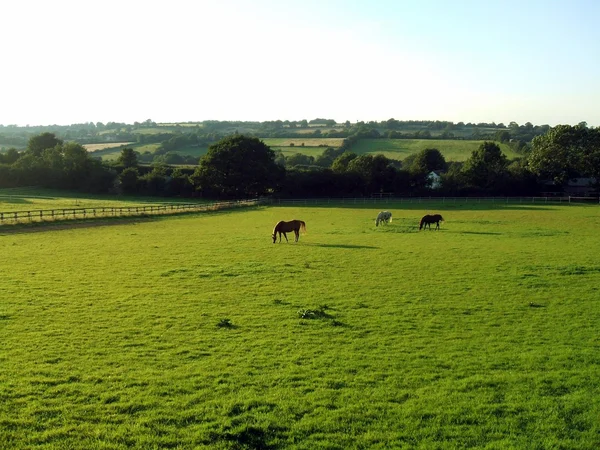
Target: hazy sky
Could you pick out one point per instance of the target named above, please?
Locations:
(473, 61)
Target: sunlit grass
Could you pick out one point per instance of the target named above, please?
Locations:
(453, 150)
(33, 199)
(189, 331)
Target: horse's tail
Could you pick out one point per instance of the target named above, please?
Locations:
(302, 226)
(390, 217)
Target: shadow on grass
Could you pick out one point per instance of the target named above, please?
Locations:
(490, 233)
(101, 221)
(70, 224)
(11, 199)
(348, 246)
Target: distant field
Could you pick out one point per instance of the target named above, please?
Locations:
(453, 150)
(104, 146)
(29, 199)
(308, 142)
(312, 146)
(196, 332)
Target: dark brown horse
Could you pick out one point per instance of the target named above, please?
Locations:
(284, 227)
(429, 219)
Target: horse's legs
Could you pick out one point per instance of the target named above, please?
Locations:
(297, 233)
(285, 236)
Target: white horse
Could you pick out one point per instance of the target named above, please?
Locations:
(383, 217)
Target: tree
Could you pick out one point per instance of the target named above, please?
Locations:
(129, 180)
(37, 144)
(10, 156)
(238, 166)
(179, 183)
(486, 168)
(428, 160)
(299, 159)
(421, 164)
(128, 158)
(566, 152)
(375, 171)
(155, 181)
(502, 136)
(340, 164)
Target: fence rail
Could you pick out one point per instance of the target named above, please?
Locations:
(44, 215)
(395, 200)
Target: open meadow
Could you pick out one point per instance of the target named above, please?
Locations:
(197, 332)
(35, 199)
(453, 150)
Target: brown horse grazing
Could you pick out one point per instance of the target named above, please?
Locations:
(429, 219)
(283, 227)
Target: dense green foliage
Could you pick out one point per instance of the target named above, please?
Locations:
(355, 167)
(566, 152)
(236, 167)
(197, 332)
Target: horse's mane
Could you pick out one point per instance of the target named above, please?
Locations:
(277, 226)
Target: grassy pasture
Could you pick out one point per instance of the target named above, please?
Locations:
(186, 332)
(401, 148)
(106, 146)
(30, 199)
(309, 142)
(312, 146)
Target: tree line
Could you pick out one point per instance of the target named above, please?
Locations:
(175, 136)
(241, 166)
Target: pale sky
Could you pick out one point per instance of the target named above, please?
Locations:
(73, 61)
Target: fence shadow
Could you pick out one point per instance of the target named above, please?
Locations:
(38, 227)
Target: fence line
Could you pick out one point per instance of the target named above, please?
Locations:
(42, 215)
(395, 200)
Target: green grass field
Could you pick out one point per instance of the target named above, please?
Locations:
(187, 332)
(30, 199)
(312, 146)
(453, 150)
(401, 148)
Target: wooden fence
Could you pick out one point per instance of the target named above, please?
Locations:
(408, 200)
(44, 215)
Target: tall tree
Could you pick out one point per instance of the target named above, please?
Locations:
(566, 152)
(238, 166)
(128, 158)
(340, 164)
(486, 168)
(428, 160)
(37, 144)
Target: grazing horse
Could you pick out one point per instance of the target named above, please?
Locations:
(383, 217)
(429, 219)
(283, 227)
